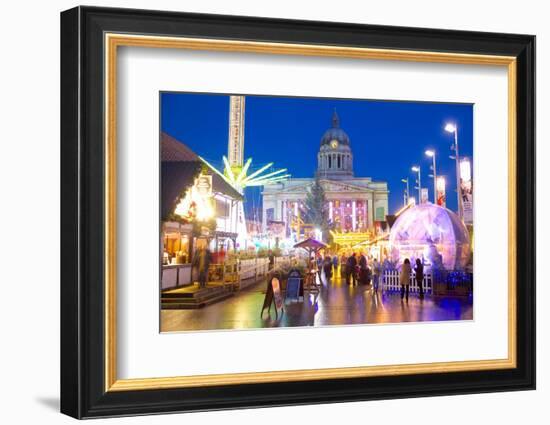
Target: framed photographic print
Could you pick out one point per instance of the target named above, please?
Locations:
(261, 212)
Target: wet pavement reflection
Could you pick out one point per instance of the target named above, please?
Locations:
(335, 304)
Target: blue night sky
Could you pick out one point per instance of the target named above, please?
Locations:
(387, 138)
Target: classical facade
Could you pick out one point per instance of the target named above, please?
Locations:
(355, 204)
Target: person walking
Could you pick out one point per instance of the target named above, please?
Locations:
(404, 278)
(419, 276)
(319, 263)
(327, 267)
(335, 264)
(344, 266)
(271, 257)
(375, 274)
(351, 272)
(363, 267)
(387, 266)
(201, 261)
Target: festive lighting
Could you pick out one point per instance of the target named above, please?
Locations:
(195, 205)
(240, 179)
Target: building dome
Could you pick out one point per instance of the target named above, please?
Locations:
(335, 133)
(433, 233)
(335, 159)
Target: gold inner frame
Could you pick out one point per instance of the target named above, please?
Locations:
(113, 41)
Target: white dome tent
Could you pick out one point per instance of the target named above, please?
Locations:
(432, 233)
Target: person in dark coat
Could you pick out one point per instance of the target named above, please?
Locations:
(201, 261)
(376, 271)
(327, 267)
(344, 267)
(351, 272)
(271, 257)
(363, 267)
(335, 264)
(419, 276)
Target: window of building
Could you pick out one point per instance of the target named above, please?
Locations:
(176, 248)
(222, 208)
(269, 214)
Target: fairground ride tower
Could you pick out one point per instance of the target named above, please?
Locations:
(235, 145)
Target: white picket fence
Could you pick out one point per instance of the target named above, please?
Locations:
(390, 282)
(253, 267)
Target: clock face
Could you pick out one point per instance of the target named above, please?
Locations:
(334, 144)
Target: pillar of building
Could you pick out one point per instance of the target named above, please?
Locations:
(370, 212)
(353, 215)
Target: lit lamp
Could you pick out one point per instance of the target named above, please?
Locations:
(452, 128)
(416, 169)
(431, 153)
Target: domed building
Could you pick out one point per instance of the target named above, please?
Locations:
(335, 159)
(355, 204)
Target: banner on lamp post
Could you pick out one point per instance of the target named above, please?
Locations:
(440, 195)
(466, 191)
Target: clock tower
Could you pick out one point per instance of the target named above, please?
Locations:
(335, 159)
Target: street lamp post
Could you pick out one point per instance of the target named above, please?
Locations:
(452, 128)
(431, 153)
(417, 170)
(407, 193)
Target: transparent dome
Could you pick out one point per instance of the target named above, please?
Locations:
(433, 233)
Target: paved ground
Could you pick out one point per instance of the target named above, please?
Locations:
(336, 304)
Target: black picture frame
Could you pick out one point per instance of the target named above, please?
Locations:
(83, 392)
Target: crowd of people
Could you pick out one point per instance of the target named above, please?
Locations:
(360, 269)
(355, 269)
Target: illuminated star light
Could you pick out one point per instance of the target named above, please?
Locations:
(241, 179)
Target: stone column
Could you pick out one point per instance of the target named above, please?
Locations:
(370, 212)
(365, 213)
(353, 216)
